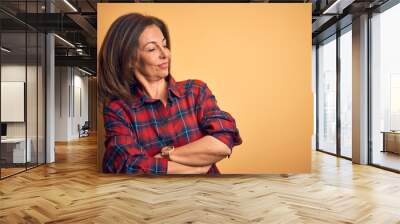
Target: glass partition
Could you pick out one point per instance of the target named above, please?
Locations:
(22, 88)
(327, 95)
(385, 89)
(14, 152)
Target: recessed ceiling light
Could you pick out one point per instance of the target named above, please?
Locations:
(5, 50)
(70, 5)
(84, 71)
(338, 6)
(64, 40)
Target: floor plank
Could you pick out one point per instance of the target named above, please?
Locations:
(72, 191)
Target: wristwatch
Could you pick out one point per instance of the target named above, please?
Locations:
(167, 150)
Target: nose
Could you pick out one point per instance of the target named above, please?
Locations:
(163, 52)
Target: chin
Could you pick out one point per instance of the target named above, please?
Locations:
(159, 76)
(164, 75)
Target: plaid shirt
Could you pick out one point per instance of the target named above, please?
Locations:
(136, 133)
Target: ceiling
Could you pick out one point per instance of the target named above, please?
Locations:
(76, 22)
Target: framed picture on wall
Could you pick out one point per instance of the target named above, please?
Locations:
(12, 101)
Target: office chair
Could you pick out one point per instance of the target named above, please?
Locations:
(84, 130)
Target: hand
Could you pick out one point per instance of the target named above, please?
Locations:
(158, 156)
(203, 169)
(163, 149)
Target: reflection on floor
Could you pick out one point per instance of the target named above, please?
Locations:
(72, 191)
(12, 169)
(387, 159)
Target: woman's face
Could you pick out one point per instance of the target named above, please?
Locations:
(153, 56)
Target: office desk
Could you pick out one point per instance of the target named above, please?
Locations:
(13, 150)
(391, 141)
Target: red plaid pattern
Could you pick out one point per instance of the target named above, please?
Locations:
(136, 133)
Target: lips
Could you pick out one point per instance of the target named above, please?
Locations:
(163, 65)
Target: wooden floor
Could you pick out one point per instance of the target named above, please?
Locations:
(71, 191)
(387, 159)
(5, 172)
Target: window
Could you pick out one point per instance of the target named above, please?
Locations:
(385, 88)
(327, 95)
(346, 93)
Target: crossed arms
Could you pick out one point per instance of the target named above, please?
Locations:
(197, 157)
(124, 154)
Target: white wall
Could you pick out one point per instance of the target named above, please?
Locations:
(61, 103)
(81, 81)
(12, 73)
(70, 83)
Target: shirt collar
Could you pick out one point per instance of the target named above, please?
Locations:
(139, 97)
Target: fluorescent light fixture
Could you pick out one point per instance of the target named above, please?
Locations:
(70, 5)
(64, 40)
(84, 71)
(338, 6)
(5, 50)
(80, 51)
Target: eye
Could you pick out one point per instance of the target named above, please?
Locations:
(152, 49)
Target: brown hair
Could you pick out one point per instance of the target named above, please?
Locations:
(118, 51)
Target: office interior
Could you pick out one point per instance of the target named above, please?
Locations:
(49, 85)
(47, 79)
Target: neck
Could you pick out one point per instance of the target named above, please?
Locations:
(155, 89)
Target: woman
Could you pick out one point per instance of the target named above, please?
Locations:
(153, 124)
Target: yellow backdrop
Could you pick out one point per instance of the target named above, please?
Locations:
(256, 58)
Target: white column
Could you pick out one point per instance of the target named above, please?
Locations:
(50, 93)
(360, 89)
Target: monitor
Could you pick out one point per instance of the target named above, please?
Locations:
(3, 129)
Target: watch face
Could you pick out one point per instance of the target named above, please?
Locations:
(165, 151)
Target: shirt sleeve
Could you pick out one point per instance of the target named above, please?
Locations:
(215, 122)
(122, 153)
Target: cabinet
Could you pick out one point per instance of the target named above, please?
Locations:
(391, 142)
(13, 150)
